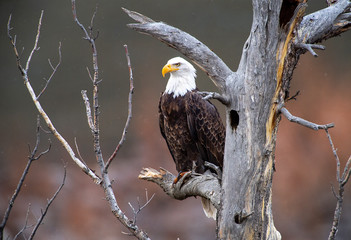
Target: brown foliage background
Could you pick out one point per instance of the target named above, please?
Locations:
(303, 203)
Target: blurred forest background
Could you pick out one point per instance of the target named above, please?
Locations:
(303, 202)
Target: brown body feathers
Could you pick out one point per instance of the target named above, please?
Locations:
(193, 131)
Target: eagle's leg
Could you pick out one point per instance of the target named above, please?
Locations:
(179, 180)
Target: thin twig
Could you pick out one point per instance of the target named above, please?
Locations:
(54, 69)
(40, 220)
(347, 172)
(335, 155)
(91, 78)
(302, 121)
(309, 47)
(25, 224)
(92, 24)
(43, 152)
(131, 90)
(140, 208)
(13, 43)
(35, 47)
(214, 95)
(37, 104)
(31, 158)
(294, 97)
(77, 21)
(341, 180)
(77, 148)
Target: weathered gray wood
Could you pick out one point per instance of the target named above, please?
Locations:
(304, 122)
(248, 165)
(198, 52)
(325, 23)
(206, 185)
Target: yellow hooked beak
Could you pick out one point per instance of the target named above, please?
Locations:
(168, 68)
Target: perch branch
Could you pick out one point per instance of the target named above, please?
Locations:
(302, 121)
(130, 95)
(198, 52)
(37, 104)
(204, 185)
(341, 180)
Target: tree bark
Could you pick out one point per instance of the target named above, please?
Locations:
(249, 150)
(278, 36)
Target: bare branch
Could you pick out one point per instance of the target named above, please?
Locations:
(213, 95)
(302, 121)
(25, 226)
(131, 90)
(341, 180)
(335, 155)
(106, 182)
(35, 47)
(95, 129)
(43, 152)
(92, 24)
(294, 97)
(31, 159)
(77, 148)
(326, 23)
(309, 47)
(137, 16)
(37, 104)
(13, 43)
(91, 78)
(347, 172)
(204, 185)
(87, 37)
(48, 206)
(140, 207)
(198, 52)
(54, 69)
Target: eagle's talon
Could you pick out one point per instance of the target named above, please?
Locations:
(216, 168)
(179, 180)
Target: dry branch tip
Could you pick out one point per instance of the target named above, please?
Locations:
(138, 16)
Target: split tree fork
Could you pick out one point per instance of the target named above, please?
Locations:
(254, 98)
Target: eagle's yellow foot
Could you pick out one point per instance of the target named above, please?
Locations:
(181, 177)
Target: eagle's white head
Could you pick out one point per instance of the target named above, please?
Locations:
(182, 76)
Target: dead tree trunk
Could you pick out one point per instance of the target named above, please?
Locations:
(254, 96)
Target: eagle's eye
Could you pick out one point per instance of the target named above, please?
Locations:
(177, 64)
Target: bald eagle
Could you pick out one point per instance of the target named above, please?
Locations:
(191, 126)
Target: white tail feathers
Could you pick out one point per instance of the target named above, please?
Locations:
(209, 209)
